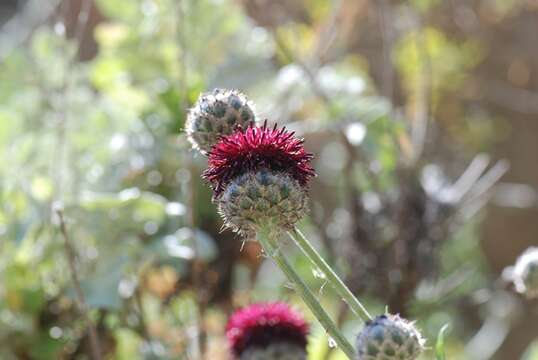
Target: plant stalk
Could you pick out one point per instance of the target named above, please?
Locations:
(333, 279)
(95, 347)
(308, 297)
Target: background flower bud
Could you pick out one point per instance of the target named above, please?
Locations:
(216, 114)
(389, 337)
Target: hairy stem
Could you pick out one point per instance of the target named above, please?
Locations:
(308, 297)
(333, 279)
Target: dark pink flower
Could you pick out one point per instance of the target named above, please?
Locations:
(255, 148)
(264, 324)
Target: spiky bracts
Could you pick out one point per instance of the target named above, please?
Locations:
(265, 329)
(260, 177)
(524, 274)
(389, 337)
(216, 114)
(262, 198)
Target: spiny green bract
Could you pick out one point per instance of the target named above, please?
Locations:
(389, 337)
(262, 198)
(215, 114)
(277, 351)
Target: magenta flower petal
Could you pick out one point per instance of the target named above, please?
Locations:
(256, 148)
(264, 324)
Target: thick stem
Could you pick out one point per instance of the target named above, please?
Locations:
(333, 279)
(308, 297)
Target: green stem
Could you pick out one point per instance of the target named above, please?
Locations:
(308, 297)
(329, 273)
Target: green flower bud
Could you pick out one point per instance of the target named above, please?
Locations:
(389, 337)
(262, 198)
(216, 114)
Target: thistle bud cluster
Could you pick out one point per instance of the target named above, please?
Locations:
(259, 175)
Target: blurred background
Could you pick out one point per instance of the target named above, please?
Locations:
(422, 115)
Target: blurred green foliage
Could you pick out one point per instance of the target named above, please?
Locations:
(103, 139)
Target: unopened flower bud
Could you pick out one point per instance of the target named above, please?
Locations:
(217, 114)
(389, 337)
(262, 198)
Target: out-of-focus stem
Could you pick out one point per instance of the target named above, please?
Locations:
(264, 237)
(333, 279)
(70, 254)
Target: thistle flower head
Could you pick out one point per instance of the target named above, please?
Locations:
(264, 328)
(525, 273)
(216, 114)
(258, 148)
(389, 337)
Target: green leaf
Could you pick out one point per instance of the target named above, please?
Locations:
(143, 205)
(44, 347)
(240, 72)
(532, 351)
(128, 343)
(185, 244)
(126, 10)
(101, 288)
(440, 344)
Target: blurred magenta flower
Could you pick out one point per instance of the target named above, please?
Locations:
(272, 329)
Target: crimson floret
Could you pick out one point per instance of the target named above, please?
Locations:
(255, 148)
(261, 325)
